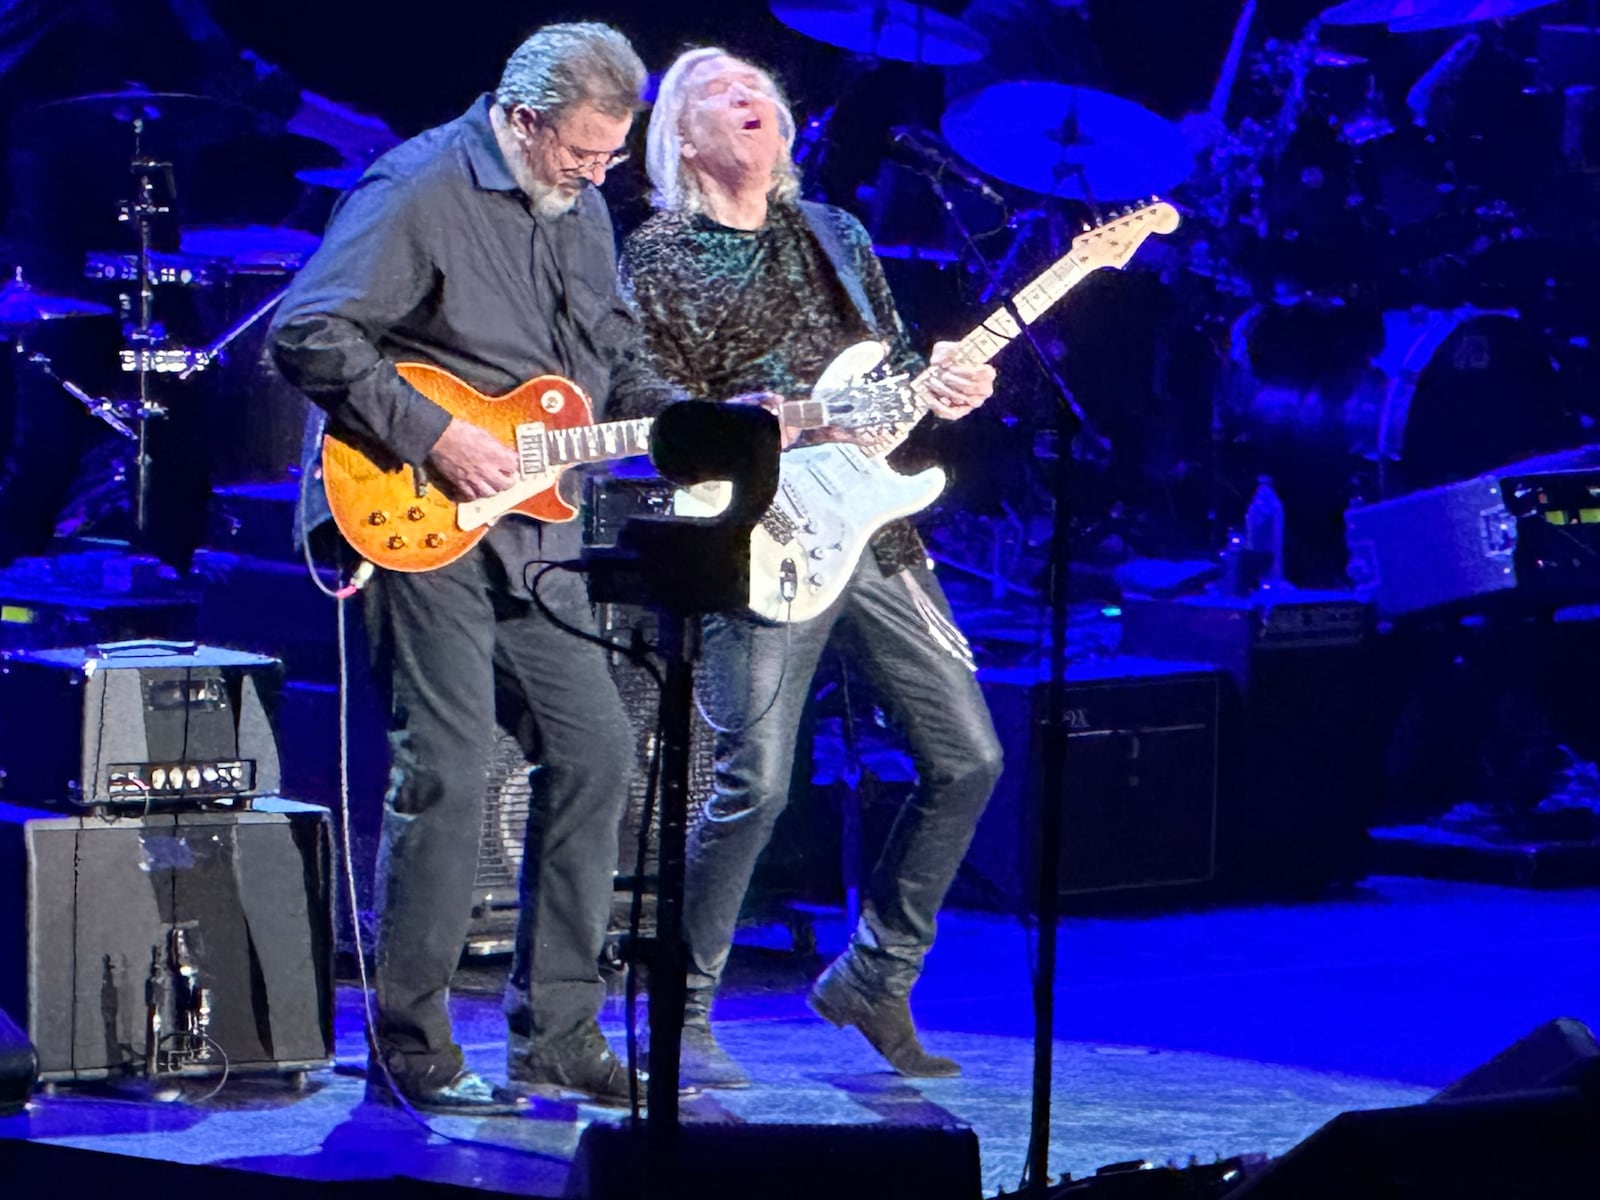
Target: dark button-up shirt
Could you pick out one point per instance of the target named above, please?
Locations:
(436, 256)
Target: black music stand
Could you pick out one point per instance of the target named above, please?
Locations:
(683, 568)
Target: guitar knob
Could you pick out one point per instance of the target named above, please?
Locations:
(433, 541)
(817, 552)
(397, 542)
(415, 512)
(377, 518)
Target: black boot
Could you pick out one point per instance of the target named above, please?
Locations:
(702, 1063)
(581, 1063)
(885, 1021)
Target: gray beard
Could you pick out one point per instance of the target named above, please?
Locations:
(549, 201)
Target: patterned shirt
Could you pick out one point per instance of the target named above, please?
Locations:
(730, 311)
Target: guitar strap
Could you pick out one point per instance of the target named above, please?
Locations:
(838, 254)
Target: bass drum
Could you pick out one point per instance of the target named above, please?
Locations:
(1341, 404)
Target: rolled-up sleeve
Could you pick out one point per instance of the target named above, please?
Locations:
(370, 273)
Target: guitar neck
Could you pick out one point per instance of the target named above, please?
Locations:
(591, 443)
(997, 331)
(624, 439)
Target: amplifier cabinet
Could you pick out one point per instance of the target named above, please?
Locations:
(172, 944)
(1302, 751)
(137, 724)
(1139, 798)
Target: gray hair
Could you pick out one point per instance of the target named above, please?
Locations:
(580, 62)
(676, 189)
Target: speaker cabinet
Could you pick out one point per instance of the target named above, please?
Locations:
(169, 944)
(1302, 759)
(1139, 799)
(1522, 1125)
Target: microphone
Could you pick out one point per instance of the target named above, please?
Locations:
(920, 150)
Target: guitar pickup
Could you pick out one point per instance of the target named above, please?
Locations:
(531, 448)
(777, 523)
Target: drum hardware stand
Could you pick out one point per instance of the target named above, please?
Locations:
(101, 408)
(145, 334)
(205, 357)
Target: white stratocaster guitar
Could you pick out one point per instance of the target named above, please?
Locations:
(833, 498)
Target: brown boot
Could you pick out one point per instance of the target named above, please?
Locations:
(884, 1021)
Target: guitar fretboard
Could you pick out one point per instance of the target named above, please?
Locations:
(584, 444)
(996, 332)
(540, 449)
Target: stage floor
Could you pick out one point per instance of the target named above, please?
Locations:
(1181, 1035)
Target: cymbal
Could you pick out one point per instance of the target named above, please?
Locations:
(1414, 16)
(340, 179)
(1372, 12)
(1448, 13)
(265, 248)
(183, 115)
(1068, 141)
(910, 252)
(895, 29)
(22, 305)
(358, 137)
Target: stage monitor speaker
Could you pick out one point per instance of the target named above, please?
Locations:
(1525, 1124)
(781, 1162)
(171, 944)
(19, 1067)
(142, 725)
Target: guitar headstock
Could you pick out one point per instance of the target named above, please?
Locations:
(1116, 241)
(866, 403)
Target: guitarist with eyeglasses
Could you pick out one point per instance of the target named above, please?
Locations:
(471, 272)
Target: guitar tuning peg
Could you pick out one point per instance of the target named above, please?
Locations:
(1087, 227)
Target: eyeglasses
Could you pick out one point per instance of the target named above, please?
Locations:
(584, 161)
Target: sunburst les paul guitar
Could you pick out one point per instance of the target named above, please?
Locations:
(834, 496)
(400, 519)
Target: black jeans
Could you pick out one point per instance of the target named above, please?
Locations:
(754, 680)
(449, 639)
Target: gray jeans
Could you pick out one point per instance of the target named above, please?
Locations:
(450, 639)
(754, 679)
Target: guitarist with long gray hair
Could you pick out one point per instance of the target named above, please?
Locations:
(742, 289)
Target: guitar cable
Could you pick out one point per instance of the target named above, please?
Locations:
(641, 656)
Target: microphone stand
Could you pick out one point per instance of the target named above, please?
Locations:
(1054, 739)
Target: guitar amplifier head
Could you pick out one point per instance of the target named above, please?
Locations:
(140, 725)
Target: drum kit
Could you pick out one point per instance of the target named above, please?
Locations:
(1383, 216)
(184, 296)
(1403, 189)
